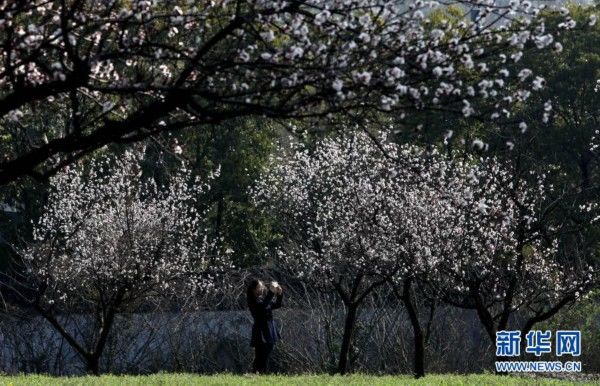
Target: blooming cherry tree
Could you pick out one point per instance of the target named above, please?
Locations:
(513, 265)
(109, 241)
(332, 203)
(119, 71)
(488, 240)
(429, 205)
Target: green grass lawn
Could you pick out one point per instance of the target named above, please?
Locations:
(300, 380)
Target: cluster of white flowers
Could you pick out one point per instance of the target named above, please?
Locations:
(264, 53)
(105, 229)
(356, 206)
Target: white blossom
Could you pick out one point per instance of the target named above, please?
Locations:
(104, 230)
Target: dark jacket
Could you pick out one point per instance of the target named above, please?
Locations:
(263, 329)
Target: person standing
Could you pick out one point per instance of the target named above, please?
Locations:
(261, 303)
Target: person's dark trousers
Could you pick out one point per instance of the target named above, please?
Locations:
(262, 352)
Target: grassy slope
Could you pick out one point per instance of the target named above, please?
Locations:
(190, 379)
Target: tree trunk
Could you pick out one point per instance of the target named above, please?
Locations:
(418, 338)
(105, 327)
(93, 364)
(488, 323)
(347, 338)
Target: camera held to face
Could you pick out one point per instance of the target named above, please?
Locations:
(275, 287)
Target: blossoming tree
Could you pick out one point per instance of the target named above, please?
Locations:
(76, 75)
(108, 242)
(513, 270)
(489, 240)
(332, 203)
(436, 198)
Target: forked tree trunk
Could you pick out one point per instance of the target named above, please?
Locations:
(349, 324)
(91, 357)
(418, 337)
